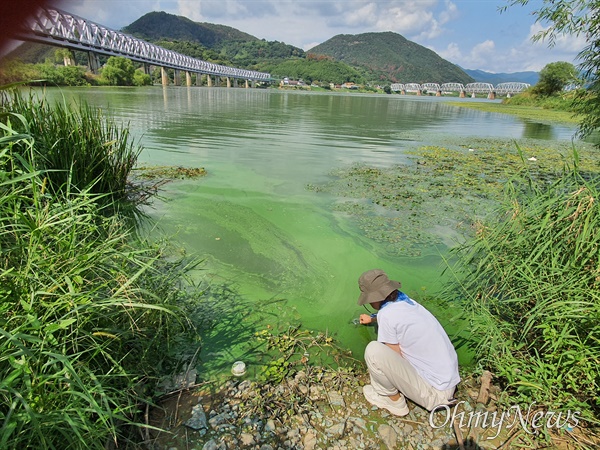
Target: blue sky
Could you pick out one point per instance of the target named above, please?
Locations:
(470, 33)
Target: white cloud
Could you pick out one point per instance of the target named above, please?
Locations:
(451, 53)
(483, 51)
(114, 14)
(191, 10)
(449, 14)
(406, 22)
(366, 15)
(524, 56)
(406, 17)
(478, 57)
(529, 55)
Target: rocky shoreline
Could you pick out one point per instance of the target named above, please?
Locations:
(308, 412)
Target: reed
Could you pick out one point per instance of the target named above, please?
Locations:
(77, 146)
(87, 310)
(530, 284)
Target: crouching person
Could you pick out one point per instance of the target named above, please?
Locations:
(412, 357)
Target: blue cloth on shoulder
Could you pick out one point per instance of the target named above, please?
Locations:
(402, 297)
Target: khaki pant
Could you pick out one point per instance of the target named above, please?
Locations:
(391, 373)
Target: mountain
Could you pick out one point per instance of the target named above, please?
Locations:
(159, 25)
(496, 78)
(222, 44)
(391, 58)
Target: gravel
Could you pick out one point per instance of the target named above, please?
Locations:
(305, 415)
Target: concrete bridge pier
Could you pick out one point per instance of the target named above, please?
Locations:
(491, 96)
(462, 94)
(164, 76)
(235, 82)
(419, 92)
(198, 79)
(228, 82)
(147, 69)
(438, 93)
(176, 77)
(209, 82)
(188, 78)
(93, 62)
(402, 92)
(247, 84)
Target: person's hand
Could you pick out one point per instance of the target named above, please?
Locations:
(365, 319)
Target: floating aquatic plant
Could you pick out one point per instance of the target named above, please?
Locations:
(437, 197)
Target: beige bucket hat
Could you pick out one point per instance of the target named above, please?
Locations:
(375, 286)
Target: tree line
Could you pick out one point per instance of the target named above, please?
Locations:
(116, 71)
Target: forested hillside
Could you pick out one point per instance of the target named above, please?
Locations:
(158, 25)
(205, 41)
(318, 70)
(208, 41)
(390, 57)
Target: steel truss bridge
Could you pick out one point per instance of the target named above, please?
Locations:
(59, 28)
(471, 88)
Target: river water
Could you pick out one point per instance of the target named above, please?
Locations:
(257, 228)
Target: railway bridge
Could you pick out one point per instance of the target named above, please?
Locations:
(490, 90)
(59, 28)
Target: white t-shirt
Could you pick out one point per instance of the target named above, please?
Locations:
(422, 340)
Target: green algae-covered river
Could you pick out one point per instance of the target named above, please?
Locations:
(281, 247)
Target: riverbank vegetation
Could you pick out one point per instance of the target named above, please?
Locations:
(117, 71)
(545, 102)
(528, 107)
(89, 310)
(549, 94)
(529, 280)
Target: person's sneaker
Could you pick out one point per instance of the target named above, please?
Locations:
(398, 407)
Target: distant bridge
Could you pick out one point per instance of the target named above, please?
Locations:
(59, 28)
(462, 89)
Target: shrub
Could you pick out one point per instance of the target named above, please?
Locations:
(14, 71)
(61, 75)
(119, 71)
(141, 79)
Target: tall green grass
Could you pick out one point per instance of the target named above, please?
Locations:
(77, 146)
(560, 102)
(87, 311)
(530, 283)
